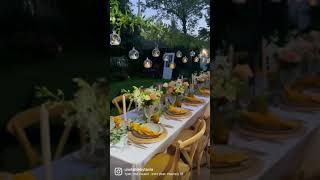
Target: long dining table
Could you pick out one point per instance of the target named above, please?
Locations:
(280, 157)
(132, 159)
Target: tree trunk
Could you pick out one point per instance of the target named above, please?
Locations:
(184, 26)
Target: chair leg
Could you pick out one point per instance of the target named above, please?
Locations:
(199, 158)
(208, 156)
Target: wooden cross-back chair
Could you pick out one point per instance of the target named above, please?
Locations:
(203, 142)
(118, 99)
(25, 119)
(167, 163)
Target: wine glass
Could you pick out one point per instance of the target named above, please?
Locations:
(172, 99)
(148, 112)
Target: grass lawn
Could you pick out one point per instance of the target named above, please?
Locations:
(115, 87)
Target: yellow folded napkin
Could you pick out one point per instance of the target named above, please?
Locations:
(23, 176)
(144, 130)
(313, 81)
(175, 110)
(204, 91)
(267, 121)
(297, 96)
(229, 158)
(193, 99)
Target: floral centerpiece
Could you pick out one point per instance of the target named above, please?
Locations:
(89, 109)
(175, 90)
(147, 99)
(225, 89)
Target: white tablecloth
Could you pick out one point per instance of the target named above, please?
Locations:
(133, 157)
(283, 157)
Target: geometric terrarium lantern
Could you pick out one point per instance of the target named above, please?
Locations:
(185, 59)
(156, 52)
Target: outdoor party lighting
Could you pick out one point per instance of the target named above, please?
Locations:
(196, 59)
(115, 39)
(208, 61)
(172, 65)
(147, 63)
(179, 54)
(192, 53)
(204, 53)
(185, 59)
(165, 57)
(133, 54)
(156, 52)
(203, 60)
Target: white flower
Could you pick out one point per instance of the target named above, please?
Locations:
(165, 85)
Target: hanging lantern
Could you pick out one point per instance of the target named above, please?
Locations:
(133, 54)
(165, 57)
(115, 39)
(156, 52)
(208, 60)
(147, 63)
(203, 60)
(179, 54)
(172, 65)
(185, 59)
(204, 53)
(196, 59)
(192, 53)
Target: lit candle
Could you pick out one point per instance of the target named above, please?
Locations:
(124, 108)
(45, 142)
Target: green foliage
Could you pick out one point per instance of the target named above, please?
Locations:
(117, 133)
(159, 32)
(187, 11)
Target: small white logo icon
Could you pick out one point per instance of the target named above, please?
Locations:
(118, 171)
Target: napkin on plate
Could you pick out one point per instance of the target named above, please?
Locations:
(175, 110)
(144, 130)
(228, 159)
(193, 99)
(267, 121)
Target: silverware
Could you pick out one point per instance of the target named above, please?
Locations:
(137, 145)
(188, 109)
(166, 125)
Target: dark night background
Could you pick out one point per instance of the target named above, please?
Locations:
(46, 43)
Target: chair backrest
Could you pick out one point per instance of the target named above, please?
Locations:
(118, 99)
(191, 143)
(25, 119)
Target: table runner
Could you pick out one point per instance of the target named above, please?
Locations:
(133, 157)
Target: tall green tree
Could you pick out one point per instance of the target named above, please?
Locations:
(187, 11)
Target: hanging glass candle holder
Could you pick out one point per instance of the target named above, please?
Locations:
(179, 54)
(208, 60)
(115, 39)
(192, 53)
(165, 57)
(133, 54)
(203, 60)
(185, 59)
(147, 63)
(172, 65)
(156, 52)
(196, 59)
